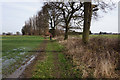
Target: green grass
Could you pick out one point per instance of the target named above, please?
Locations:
(46, 68)
(66, 67)
(14, 50)
(13, 42)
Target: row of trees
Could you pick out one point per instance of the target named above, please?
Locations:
(65, 15)
(10, 33)
(38, 24)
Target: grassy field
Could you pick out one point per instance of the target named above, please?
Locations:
(14, 51)
(107, 36)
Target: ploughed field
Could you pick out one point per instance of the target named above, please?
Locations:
(16, 50)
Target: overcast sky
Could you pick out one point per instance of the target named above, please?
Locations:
(14, 14)
(107, 23)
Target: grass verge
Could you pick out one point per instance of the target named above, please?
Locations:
(45, 69)
(55, 65)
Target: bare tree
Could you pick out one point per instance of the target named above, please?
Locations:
(54, 16)
(75, 11)
(65, 14)
(89, 11)
(68, 11)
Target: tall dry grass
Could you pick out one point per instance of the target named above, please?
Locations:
(100, 58)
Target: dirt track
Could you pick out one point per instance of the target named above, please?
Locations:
(40, 56)
(59, 69)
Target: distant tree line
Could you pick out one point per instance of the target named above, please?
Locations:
(10, 33)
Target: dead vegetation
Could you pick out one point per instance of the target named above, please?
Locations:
(100, 58)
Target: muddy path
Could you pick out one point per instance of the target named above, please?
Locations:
(51, 53)
(40, 56)
(26, 69)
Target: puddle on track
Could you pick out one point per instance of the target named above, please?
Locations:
(19, 71)
(6, 62)
(22, 53)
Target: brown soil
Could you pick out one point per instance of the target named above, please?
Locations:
(40, 56)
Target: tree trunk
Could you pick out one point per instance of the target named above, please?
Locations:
(66, 32)
(51, 23)
(54, 30)
(87, 21)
